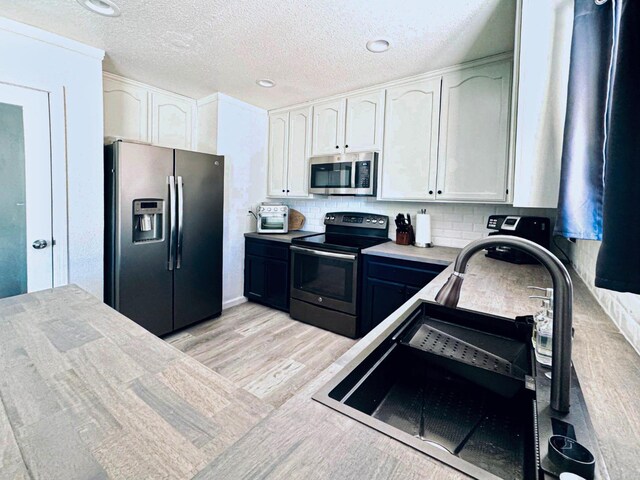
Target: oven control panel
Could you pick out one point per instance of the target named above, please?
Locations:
(347, 219)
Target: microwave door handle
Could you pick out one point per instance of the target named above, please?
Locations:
(320, 253)
(180, 221)
(353, 174)
(172, 219)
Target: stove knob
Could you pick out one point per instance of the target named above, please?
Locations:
(319, 299)
(333, 217)
(368, 220)
(381, 221)
(327, 217)
(268, 209)
(283, 209)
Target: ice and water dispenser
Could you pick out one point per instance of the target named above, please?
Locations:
(148, 225)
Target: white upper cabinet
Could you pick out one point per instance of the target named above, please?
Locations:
(328, 127)
(299, 152)
(473, 154)
(126, 110)
(289, 152)
(364, 122)
(444, 136)
(172, 121)
(411, 141)
(544, 47)
(135, 111)
(278, 154)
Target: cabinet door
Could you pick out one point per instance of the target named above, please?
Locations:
(543, 74)
(410, 141)
(382, 298)
(172, 119)
(473, 153)
(254, 278)
(277, 283)
(364, 123)
(126, 110)
(278, 155)
(299, 152)
(410, 292)
(328, 127)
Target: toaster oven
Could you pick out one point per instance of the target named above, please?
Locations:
(273, 218)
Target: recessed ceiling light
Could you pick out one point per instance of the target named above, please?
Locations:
(103, 7)
(266, 83)
(378, 46)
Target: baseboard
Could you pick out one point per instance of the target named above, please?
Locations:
(233, 302)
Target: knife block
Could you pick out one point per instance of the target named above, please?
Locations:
(405, 237)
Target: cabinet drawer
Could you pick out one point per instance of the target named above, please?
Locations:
(408, 273)
(265, 248)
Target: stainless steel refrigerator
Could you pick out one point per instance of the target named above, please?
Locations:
(163, 235)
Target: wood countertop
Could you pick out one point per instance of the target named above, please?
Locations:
(87, 393)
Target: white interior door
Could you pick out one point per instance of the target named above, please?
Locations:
(26, 253)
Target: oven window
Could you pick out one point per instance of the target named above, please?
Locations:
(325, 277)
(331, 175)
(272, 223)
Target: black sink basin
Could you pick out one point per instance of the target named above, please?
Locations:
(459, 386)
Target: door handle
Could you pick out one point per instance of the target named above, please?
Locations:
(319, 253)
(40, 244)
(172, 216)
(180, 221)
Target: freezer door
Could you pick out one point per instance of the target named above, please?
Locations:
(198, 272)
(143, 281)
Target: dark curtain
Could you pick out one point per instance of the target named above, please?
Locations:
(600, 177)
(618, 266)
(581, 193)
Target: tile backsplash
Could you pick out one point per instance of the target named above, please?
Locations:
(452, 225)
(623, 308)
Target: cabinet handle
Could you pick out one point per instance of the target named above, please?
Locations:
(282, 191)
(430, 192)
(337, 146)
(439, 192)
(346, 146)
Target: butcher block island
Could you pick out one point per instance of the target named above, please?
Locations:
(87, 393)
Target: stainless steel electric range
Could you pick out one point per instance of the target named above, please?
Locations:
(325, 270)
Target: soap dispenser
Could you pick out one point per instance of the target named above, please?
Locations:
(542, 335)
(544, 338)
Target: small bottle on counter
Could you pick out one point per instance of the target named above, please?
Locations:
(544, 338)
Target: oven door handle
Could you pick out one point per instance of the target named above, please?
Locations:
(320, 253)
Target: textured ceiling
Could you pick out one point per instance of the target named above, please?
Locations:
(310, 48)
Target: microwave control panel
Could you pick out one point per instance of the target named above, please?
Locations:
(363, 174)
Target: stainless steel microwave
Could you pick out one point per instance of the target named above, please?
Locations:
(345, 174)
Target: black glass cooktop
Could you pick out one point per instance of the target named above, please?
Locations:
(339, 242)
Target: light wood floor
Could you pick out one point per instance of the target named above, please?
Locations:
(262, 350)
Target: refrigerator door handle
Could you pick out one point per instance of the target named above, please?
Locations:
(172, 215)
(180, 221)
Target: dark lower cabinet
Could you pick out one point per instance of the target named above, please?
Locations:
(387, 283)
(266, 272)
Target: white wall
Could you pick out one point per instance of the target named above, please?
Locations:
(72, 73)
(451, 225)
(242, 139)
(623, 308)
